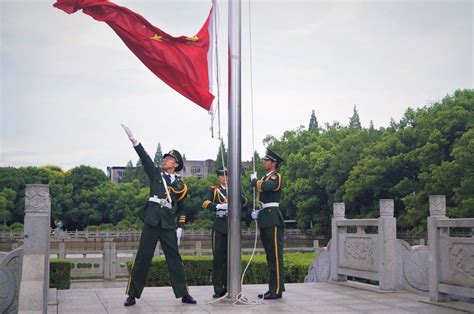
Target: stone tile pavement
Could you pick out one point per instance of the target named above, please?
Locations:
(298, 298)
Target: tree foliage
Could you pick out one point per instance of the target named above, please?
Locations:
(429, 151)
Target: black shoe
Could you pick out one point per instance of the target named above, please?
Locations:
(219, 295)
(272, 296)
(262, 295)
(130, 301)
(188, 299)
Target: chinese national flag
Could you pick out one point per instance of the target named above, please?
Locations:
(181, 62)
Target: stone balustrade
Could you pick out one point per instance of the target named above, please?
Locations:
(369, 249)
(451, 273)
(364, 248)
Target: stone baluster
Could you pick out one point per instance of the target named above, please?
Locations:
(106, 260)
(35, 269)
(113, 260)
(387, 237)
(198, 248)
(62, 250)
(339, 212)
(157, 250)
(316, 246)
(437, 211)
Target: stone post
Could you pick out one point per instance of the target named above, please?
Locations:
(198, 248)
(62, 250)
(387, 240)
(35, 269)
(316, 246)
(107, 261)
(339, 212)
(14, 245)
(157, 250)
(437, 211)
(113, 260)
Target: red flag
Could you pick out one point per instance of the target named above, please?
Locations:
(181, 62)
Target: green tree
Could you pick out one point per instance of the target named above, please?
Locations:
(354, 121)
(158, 156)
(7, 204)
(140, 174)
(221, 154)
(129, 173)
(313, 123)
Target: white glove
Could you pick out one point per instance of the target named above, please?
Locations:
(221, 206)
(255, 214)
(253, 176)
(179, 234)
(129, 134)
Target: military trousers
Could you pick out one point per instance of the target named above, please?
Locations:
(272, 240)
(146, 249)
(219, 261)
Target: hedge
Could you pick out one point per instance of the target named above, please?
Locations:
(198, 269)
(59, 273)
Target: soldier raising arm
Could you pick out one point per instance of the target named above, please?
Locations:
(167, 194)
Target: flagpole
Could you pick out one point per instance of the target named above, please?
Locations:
(234, 153)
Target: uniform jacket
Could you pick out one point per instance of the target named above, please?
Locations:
(269, 191)
(154, 214)
(218, 195)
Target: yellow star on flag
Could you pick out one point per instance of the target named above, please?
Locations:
(192, 38)
(156, 37)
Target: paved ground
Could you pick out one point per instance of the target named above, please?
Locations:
(298, 298)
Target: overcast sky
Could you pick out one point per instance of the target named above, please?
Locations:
(67, 81)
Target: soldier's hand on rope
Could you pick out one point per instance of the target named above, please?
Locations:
(129, 134)
(221, 207)
(255, 214)
(253, 176)
(179, 234)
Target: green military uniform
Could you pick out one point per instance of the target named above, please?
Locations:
(218, 195)
(271, 224)
(159, 220)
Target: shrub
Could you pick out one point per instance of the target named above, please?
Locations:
(106, 227)
(16, 226)
(199, 224)
(198, 269)
(59, 273)
(4, 228)
(91, 228)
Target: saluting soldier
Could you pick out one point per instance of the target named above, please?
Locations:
(165, 205)
(216, 202)
(270, 222)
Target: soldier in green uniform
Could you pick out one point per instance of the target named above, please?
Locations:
(216, 202)
(164, 207)
(271, 223)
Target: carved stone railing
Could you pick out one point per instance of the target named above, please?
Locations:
(10, 277)
(368, 249)
(364, 248)
(451, 272)
(443, 270)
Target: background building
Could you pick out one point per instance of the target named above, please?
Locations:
(198, 168)
(192, 168)
(115, 173)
